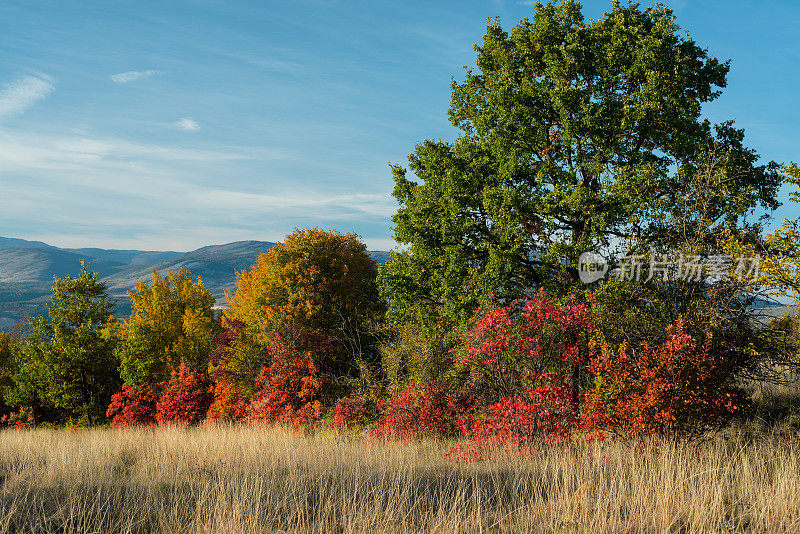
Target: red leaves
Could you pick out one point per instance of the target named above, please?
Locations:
(522, 422)
(184, 401)
(509, 347)
(291, 390)
(186, 398)
(515, 385)
(227, 405)
(133, 406)
(19, 420)
(678, 389)
(229, 371)
(517, 357)
(432, 409)
(348, 412)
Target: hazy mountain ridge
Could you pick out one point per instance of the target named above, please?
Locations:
(128, 257)
(31, 264)
(27, 269)
(13, 242)
(216, 264)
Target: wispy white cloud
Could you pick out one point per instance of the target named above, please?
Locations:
(147, 195)
(341, 206)
(28, 152)
(18, 96)
(133, 75)
(188, 125)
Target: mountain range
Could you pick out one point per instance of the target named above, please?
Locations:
(27, 269)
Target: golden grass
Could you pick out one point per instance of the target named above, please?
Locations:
(260, 480)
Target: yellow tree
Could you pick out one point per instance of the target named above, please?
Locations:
(778, 252)
(317, 291)
(777, 256)
(172, 320)
(780, 266)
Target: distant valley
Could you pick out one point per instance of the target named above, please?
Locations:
(27, 269)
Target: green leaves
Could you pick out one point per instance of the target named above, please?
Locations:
(574, 135)
(67, 367)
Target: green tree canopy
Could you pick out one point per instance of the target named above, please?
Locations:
(8, 347)
(67, 365)
(574, 136)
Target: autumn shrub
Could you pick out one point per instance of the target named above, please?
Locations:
(541, 415)
(435, 409)
(721, 312)
(186, 398)
(515, 379)
(348, 412)
(134, 406)
(20, 420)
(234, 363)
(535, 379)
(291, 390)
(357, 411)
(679, 389)
(508, 349)
(227, 404)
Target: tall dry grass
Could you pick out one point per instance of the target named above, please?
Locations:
(260, 480)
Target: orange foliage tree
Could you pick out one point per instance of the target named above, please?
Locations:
(317, 291)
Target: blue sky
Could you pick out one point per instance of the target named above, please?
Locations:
(173, 125)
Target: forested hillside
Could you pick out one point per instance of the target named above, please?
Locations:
(27, 269)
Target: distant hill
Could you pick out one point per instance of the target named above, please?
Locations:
(129, 257)
(216, 264)
(27, 269)
(26, 264)
(13, 242)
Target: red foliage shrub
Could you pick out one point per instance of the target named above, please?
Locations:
(359, 410)
(186, 399)
(676, 390)
(133, 406)
(19, 420)
(542, 414)
(432, 409)
(518, 358)
(348, 412)
(227, 403)
(509, 348)
(291, 390)
(228, 372)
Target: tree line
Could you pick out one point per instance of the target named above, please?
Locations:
(575, 136)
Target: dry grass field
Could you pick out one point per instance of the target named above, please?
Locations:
(249, 479)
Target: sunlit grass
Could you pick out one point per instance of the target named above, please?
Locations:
(260, 480)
